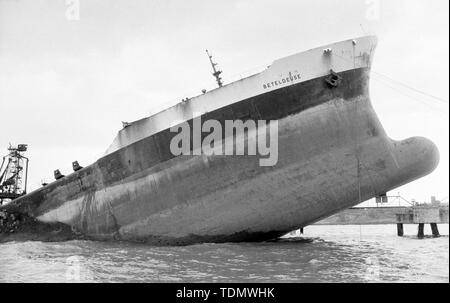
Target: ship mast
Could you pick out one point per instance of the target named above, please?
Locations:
(216, 73)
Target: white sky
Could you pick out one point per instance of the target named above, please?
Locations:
(66, 85)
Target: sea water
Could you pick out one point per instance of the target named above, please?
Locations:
(321, 254)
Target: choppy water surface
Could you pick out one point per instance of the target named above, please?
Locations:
(323, 254)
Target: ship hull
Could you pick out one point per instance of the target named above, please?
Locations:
(332, 154)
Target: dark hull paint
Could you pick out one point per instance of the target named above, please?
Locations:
(154, 150)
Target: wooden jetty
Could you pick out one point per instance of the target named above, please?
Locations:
(418, 214)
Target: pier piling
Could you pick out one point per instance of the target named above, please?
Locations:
(435, 230)
(400, 229)
(420, 233)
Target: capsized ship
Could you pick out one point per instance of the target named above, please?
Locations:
(333, 153)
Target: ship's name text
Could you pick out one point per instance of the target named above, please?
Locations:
(283, 81)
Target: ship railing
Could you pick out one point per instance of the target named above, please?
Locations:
(209, 86)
